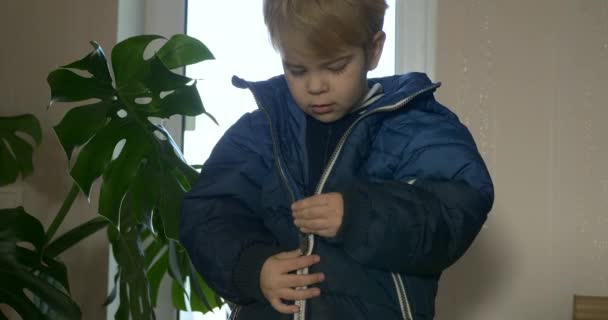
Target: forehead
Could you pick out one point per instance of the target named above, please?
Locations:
(293, 40)
(297, 50)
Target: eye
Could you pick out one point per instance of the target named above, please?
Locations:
(337, 68)
(297, 72)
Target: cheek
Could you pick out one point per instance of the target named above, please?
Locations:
(353, 89)
(296, 89)
(356, 78)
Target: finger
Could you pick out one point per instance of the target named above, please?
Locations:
(298, 263)
(313, 213)
(313, 224)
(285, 255)
(304, 230)
(293, 281)
(313, 201)
(281, 307)
(302, 294)
(327, 233)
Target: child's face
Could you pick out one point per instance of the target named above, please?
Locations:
(328, 88)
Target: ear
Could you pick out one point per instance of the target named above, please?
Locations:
(375, 51)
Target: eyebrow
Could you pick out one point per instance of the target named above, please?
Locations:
(345, 58)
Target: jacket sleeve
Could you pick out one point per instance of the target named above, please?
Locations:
(425, 219)
(220, 226)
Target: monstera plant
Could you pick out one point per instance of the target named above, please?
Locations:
(24, 264)
(116, 135)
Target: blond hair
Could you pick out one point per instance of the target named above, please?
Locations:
(326, 25)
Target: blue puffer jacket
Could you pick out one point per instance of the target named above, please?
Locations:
(416, 194)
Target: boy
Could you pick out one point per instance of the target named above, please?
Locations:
(341, 197)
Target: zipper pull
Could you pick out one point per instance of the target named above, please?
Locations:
(304, 243)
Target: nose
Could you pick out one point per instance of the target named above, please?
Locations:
(316, 84)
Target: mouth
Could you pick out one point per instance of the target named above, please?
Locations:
(321, 108)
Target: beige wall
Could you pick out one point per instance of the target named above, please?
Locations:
(38, 36)
(530, 80)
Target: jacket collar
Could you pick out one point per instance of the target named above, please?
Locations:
(273, 95)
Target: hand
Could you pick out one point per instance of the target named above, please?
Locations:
(277, 284)
(320, 214)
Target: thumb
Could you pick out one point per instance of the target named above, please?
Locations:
(288, 254)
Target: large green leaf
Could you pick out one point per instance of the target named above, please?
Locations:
(159, 260)
(156, 273)
(157, 182)
(143, 173)
(134, 285)
(95, 63)
(96, 154)
(67, 85)
(16, 152)
(23, 269)
(86, 120)
(202, 298)
(134, 294)
(148, 162)
(191, 294)
(128, 60)
(182, 50)
(178, 296)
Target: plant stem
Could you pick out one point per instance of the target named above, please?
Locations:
(63, 211)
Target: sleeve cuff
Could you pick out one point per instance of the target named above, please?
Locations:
(246, 274)
(356, 218)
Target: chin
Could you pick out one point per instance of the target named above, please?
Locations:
(329, 117)
(325, 118)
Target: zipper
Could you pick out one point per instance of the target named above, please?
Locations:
(304, 239)
(275, 147)
(277, 155)
(235, 313)
(404, 305)
(401, 293)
